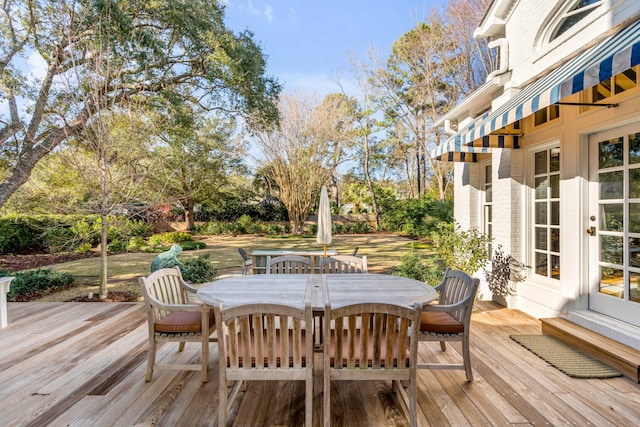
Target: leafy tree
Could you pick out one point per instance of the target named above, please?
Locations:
(164, 53)
(195, 163)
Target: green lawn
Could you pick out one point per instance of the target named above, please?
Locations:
(383, 252)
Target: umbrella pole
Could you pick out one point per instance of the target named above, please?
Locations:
(325, 251)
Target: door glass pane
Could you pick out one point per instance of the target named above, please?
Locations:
(488, 194)
(611, 153)
(541, 162)
(634, 148)
(555, 213)
(555, 267)
(634, 183)
(634, 217)
(612, 217)
(611, 249)
(634, 287)
(541, 213)
(554, 159)
(541, 238)
(612, 282)
(541, 264)
(555, 240)
(554, 183)
(634, 252)
(611, 185)
(541, 187)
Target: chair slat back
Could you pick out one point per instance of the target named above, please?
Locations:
(290, 264)
(243, 253)
(344, 264)
(373, 336)
(456, 287)
(163, 286)
(265, 337)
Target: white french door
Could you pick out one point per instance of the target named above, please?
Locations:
(614, 223)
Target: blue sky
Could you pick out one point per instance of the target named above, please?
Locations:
(306, 41)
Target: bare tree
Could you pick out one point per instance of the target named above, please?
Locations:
(430, 68)
(296, 156)
(364, 124)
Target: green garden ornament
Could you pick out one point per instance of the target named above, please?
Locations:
(167, 259)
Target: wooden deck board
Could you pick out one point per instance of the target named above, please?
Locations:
(83, 364)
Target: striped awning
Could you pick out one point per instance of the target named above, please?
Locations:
(612, 56)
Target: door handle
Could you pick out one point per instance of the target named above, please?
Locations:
(591, 231)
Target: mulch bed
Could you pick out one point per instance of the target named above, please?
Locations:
(11, 263)
(114, 296)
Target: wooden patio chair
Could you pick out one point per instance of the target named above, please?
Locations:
(290, 264)
(264, 342)
(172, 318)
(450, 318)
(338, 264)
(372, 341)
(247, 262)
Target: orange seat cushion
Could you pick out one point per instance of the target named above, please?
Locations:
(183, 321)
(439, 322)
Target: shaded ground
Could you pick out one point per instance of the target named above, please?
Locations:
(13, 263)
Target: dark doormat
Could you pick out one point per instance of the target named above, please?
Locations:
(565, 358)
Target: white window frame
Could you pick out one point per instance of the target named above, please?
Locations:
(483, 198)
(559, 15)
(529, 201)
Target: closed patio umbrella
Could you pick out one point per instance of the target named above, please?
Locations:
(324, 220)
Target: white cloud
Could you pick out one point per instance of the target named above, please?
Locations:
(293, 16)
(319, 84)
(268, 13)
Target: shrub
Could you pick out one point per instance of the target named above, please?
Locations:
(83, 248)
(198, 270)
(413, 267)
(119, 245)
(36, 283)
(461, 250)
(170, 237)
(136, 244)
(504, 268)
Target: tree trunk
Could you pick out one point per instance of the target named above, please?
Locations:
(104, 253)
(367, 175)
(189, 214)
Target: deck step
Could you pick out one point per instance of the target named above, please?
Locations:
(622, 357)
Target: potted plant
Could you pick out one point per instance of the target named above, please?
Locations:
(504, 270)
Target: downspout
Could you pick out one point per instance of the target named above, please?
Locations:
(449, 128)
(503, 52)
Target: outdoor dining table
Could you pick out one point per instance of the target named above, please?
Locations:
(261, 258)
(290, 289)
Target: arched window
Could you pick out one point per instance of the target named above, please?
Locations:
(572, 14)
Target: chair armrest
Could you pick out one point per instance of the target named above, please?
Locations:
(189, 288)
(178, 307)
(444, 307)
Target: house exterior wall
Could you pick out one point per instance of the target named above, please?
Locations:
(529, 59)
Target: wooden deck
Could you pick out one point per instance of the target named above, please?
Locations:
(83, 364)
